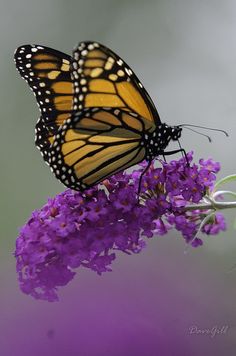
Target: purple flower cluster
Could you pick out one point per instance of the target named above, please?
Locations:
(85, 229)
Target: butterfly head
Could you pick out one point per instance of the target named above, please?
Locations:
(175, 132)
(157, 141)
(168, 133)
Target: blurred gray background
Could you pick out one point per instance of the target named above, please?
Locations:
(184, 52)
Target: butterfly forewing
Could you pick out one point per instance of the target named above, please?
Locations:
(103, 79)
(47, 72)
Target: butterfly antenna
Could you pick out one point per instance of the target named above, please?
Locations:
(200, 133)
(205, 128)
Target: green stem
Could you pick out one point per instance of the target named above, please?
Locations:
(214, 205)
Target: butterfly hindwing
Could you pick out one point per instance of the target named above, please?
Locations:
(44, 138)
(47, 72)
(102, 79)
(95, 144)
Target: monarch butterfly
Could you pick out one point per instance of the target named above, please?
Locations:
(96, 117)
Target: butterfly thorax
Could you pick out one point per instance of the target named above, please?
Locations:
(156, 141)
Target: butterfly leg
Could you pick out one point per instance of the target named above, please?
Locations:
(164, 159)
(169, 153)
(141, 176)
(183, 153)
